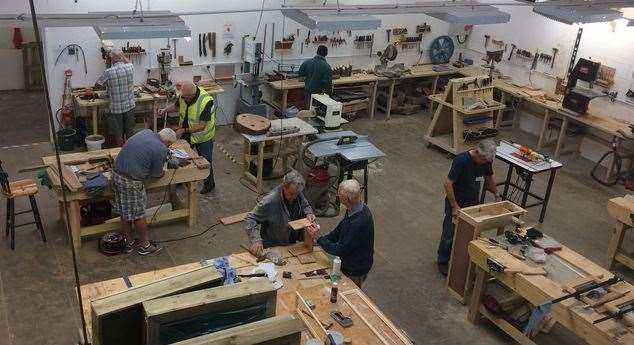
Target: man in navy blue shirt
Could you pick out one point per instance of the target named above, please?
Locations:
(353, 239)
(462, 189)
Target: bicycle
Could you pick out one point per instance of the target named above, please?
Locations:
(615, 159)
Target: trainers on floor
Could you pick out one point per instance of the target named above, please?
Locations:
(149, 249)
(129, 246)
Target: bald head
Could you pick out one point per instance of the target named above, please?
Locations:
(187, 88)
(117, 56)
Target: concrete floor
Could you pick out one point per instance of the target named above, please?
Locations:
(38, 304)
(23, 112)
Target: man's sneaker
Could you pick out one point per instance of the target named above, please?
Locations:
(129, 246)
(149, 249)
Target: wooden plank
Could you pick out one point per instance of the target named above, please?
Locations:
(299, 224)
(346, 296)
(236, 218)
(459, 264)
(278, 330)
(117, 319)
(227, 298)
(98, 229)
(508, 328)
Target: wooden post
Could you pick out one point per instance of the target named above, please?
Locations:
(192, 204)
(284, 102)
(542, 133)
(95, 120)
(479, 289)
(562, 136)
(500, 115)
(615, 243)
(388, 111)
(260, 174)
(75, 222)
(373, 91)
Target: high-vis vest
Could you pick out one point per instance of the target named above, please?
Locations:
(193, 114)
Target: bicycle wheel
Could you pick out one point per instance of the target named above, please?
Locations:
(615, 177)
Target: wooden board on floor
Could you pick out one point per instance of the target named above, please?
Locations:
(118, 319)
(236, 218)
(278, 330)
(161, 312)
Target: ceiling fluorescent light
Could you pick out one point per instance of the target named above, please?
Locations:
(142, 31)
(472, 17)
(571, 15)
(332, 21)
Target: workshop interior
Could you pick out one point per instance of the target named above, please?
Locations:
(315, 172)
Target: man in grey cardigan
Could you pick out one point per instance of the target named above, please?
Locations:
(267, 223)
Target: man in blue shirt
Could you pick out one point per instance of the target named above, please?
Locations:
(353, 239)
(142, 157)
(462, 189)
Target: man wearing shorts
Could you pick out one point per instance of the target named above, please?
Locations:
(142, 157)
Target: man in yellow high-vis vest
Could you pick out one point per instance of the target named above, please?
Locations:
(197, 123)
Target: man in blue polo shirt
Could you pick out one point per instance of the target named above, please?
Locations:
(462, 189)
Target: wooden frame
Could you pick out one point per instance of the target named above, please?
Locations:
(471, 222)
(447, 125)
(278, 330)
(225, 298)
(118, 318)
(356, 292)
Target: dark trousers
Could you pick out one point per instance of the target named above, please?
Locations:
(446, 239)
(206, 150)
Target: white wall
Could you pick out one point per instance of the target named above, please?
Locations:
(242, 24)
(11, 59)
(611, 44)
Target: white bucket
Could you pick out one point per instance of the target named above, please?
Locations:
(94, 142)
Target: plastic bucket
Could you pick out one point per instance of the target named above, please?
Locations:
(94, 142)
(66, 139)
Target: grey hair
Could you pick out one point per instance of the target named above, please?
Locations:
(351, 189)
(168, 135)
(487, 148)
(117, 54)
(294, 178)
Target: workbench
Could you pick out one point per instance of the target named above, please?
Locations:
(90, 108)
(621, 209)
(316, 290)
(188, 175)
(506, 153)
(287, 144)
(278, 90)
(563, 267)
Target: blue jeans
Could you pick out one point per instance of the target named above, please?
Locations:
(206, 150)
(446, 239)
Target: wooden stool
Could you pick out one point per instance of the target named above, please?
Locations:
(13, 190)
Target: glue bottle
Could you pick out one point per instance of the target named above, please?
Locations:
(333, 292)
(336, 269)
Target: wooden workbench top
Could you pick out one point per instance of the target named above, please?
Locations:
(316, 290)
(538, 289)
(184, 174)
(294, 83)
(104, 101)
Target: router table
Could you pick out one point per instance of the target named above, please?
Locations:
(526, 170)
(351, 156)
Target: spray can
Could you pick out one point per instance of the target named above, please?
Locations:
(333, 292)
(336, 269)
